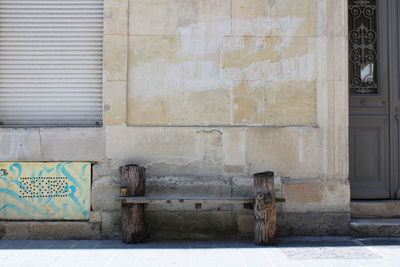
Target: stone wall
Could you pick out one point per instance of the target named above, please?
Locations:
(204, 93)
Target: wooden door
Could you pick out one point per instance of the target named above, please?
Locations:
(370, 106)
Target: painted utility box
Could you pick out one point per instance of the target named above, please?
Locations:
(45, 190)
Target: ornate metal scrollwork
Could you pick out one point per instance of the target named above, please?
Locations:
(362, 47)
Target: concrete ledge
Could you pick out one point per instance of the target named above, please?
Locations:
(49, 230)
(376, 227)
(375, 209)
(314, 224)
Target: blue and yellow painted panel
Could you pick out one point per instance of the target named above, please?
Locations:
(45, 190)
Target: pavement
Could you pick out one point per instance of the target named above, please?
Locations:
(301, 251)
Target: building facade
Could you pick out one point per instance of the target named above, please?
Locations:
(202, 93)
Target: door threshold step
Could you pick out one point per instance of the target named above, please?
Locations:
(376, 227)
(374, 209)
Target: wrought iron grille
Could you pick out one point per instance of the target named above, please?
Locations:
(363, 47)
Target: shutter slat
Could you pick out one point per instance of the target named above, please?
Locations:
(48, 95)
(51, 62)
(47, 109)
(50, 104)
(48, 71)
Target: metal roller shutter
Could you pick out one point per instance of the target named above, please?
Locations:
(51, 62)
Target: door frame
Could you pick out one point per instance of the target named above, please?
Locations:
(394, 95)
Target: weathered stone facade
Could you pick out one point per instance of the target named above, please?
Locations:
(204, 93)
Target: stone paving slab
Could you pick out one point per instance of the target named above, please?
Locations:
(342, 249)
(307, 251)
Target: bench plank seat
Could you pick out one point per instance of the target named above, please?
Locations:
(161, 200)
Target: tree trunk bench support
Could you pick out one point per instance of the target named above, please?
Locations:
(133, 201)
(132, 215)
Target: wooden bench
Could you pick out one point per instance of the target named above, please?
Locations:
(133, 204)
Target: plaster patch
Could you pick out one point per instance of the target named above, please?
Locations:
(152, 139)
(208, 37)
(160, 78)
(266, 26)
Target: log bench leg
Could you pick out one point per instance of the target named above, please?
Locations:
(264, 209)
(133, 228)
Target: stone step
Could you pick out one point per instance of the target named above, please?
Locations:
(375, 209)
(375, 227)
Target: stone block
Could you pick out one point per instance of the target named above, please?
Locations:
(375, 209)
(303, 193)
(248, 104)
(14, 230)
(246, 224)
(375, 227)
(273, 18)
(202, 107)
(316, 195)
(163, 17)
(234, 140)
(291, 103)
(111, 225)
(73, 144)
(101, 169)
(147, 49)
(64, 230)
(114, 95)
(242, 186)
(232, 169)
(214, 9)
(116, 16)
(49, 230)
(331, 19)
(250, 9)
(337, 194)
(327, 50)
(305, 10)
(278, 187)
(313, 224)
(104, 190)
(154, 110)
(289, 152)
(20, 144)
(243, 54)
(115, 57)
(95, 217)
(297, 46)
